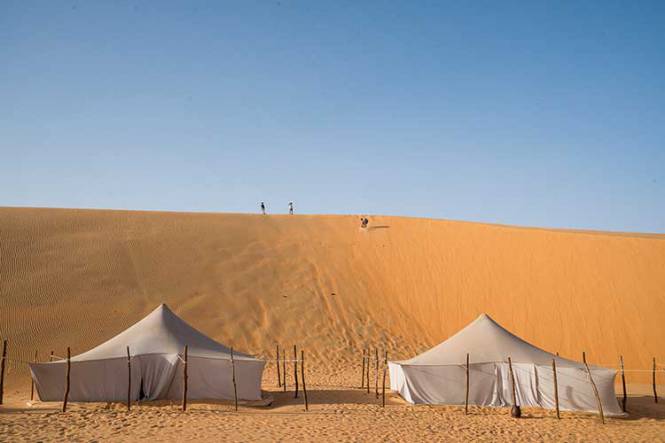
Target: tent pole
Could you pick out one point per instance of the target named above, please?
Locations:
(67, 380)
(466, 397)
(295, 369)
(32, 386)
(515, 411)
(623, 385)
(383, 388)
(556, 389)
(129, 381)
(376, 372)
(2, 370)
(279, 376)
(653, 381)
(302, 370)
(369, 352)
(184, 383)
(595, 390)
(233, 377)
(284, 369)
(362, 377)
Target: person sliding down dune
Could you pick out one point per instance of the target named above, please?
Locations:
(364, 221)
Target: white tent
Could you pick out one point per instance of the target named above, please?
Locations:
(438, 376)
(156, 344)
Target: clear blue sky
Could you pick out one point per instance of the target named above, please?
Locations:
(529, 113)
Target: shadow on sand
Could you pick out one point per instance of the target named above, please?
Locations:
(644, 407)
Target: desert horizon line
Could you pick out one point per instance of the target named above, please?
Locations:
(569, 230)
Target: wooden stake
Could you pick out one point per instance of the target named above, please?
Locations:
(623, 385)
(32, 387)
(295, 369)
(129, 381)
(376, 372)
(2, 370)
(653, 381)
(556, 389)
(595, 390)
(515, 411)
(184, 382)
(279, 376)
(233, 377)
(369, 352)
(67, 380)
(383, 386)
(362, 377)
(466, 397)
(302, 370)
(284, 369)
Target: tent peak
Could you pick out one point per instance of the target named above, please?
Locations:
(485, 316)
(163, 307)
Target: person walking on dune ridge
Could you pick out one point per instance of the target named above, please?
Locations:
(291, 208)
(263, 208)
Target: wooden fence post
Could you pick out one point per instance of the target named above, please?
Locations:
(466, 397)
(362, 377)
(515, 410)
(284, 369)
(233, 377)
(595, 390)
(129, 381)
(67, 380)
(369, 352)
(295, 369)
(2, 370)
(623, 385)
(302, 370)
(32, 385)
(653, 380)
(376, 372)
(279, 376)
(184, 382)
(556, 389)
(383, 386)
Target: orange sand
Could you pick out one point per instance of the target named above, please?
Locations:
(77, 277)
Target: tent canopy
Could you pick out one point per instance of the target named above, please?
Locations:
(438, 376)
(161, 332)
(156, 344)
(485, 341)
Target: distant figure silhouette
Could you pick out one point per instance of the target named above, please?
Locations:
(263, 208)
(364, 221)
(291, 208)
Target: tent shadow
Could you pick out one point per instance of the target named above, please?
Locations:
(329, 397)
(643, 406)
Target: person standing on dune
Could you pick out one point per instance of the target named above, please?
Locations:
(291, 208)
(263, 208)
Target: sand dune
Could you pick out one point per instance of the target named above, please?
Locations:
(77, 277)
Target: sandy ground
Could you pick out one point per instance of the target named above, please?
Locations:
(336, 413)
(78, 277)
